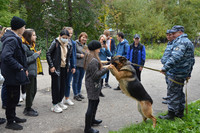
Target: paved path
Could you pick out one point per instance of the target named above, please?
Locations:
(116, 110)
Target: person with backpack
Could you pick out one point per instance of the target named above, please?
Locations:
(137, 54)
(58, 57)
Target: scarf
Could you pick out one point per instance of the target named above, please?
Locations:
(63, 53)
(38, 61)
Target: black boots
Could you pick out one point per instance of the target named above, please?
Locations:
(88, 123)
(170, 116)
(96, 122)
(180, 113)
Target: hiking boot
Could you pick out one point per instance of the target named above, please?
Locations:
(169, 116)
(14, 126)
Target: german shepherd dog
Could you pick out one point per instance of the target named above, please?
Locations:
(121, 68)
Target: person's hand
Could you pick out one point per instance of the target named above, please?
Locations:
(105, 46)
(73, 70)
(140, 68)
(110, 66)
(82, 55)
(26, 73)
(38, 52)
(52, 70)
(162, 71)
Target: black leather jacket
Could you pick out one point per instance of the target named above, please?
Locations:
(53, 55)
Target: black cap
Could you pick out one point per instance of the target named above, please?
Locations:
(93, 45)
(177, 28)
(136, 36)
(168, 32)
(17, 23)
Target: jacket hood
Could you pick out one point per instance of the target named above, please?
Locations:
(9, 33)
(124, 42)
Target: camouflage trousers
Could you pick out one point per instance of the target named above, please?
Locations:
(175, 94)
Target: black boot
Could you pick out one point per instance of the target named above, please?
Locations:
(14, 126)
(180, 113)
(94, 121)
(88, 122)
(170, 116)
(164, 102)
(101, 94)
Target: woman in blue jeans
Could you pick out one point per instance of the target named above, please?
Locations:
(81, 49)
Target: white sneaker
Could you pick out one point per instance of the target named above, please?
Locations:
(62, 106)
(56, 108)
(21, 99)
(69, 102)
(24, 96)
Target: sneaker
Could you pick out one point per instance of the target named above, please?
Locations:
(2, 120)
(116, 88)
(77, 98)
(69, 102)
(62, 106)
(23, 96)
(21, 99)
(81, 96)
(30, 112)
(107, 85)
(56, 108)
(14, 126)
(19, 120)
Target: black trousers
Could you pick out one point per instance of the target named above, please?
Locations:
(58, 86)
(13, 94)
(91, 113)
(138, 73)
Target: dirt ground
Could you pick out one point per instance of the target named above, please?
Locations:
(115, 109)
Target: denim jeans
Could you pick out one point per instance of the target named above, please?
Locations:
(68, 81)
(77, 80)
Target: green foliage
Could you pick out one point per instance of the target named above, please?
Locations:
(189, 123)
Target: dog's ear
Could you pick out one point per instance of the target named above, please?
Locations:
(122, 59)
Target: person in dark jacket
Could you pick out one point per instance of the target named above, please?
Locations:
(94, 71)
(34, 68)
(58, 56)
(14, 69)
(137, 54)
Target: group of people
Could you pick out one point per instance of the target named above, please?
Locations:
(70, 60)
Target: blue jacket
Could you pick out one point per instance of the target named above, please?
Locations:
(103, 54)
(181, 61)
(13, 58)
(122, 48)
(141, 56)
(167, 52)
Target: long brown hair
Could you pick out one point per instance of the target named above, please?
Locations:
(28, 34)
(88, 58)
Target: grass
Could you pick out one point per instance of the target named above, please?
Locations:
(156, 51)
(188, 124)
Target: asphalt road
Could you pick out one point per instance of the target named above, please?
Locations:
(116, 110)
